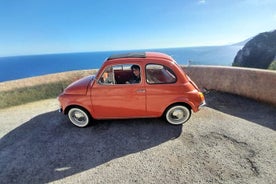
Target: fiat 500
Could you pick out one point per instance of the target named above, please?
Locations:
(133, 85)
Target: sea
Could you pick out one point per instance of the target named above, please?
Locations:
(18, 67)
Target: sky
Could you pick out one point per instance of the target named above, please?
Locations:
(61, 26)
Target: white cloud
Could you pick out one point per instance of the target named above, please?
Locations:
(201, 2)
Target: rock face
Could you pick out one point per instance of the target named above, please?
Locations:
(259, 52)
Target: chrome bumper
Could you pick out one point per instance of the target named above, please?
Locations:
(60, 110)
(202, 104)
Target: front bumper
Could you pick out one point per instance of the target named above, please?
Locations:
(202, 105)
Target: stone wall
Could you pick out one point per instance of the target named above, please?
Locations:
(253, 83)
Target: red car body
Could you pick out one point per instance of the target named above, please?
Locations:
(163, 84)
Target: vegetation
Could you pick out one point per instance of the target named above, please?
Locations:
(272, 66)
(259, 52)
(38, 88)
(30, 94)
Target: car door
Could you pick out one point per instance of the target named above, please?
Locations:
(113, 97)
(160, 87)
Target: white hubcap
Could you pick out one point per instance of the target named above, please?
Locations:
(78, 117)
(178, 115)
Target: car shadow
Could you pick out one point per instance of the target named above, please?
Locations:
(48, 147)
(245, 108)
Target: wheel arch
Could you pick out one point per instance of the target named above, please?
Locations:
(66, 110)
(177, 103)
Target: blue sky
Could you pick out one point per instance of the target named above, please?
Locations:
(61, 26)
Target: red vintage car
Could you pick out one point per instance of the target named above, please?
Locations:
(133, 85)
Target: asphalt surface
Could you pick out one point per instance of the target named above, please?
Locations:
(232, 140)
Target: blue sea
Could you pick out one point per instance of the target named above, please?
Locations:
(18, 67)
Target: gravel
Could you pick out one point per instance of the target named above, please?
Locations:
(232, 140)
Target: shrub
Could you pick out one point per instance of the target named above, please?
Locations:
(272, 66)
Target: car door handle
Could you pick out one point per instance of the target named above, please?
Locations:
(140, 91)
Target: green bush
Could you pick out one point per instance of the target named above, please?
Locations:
(272, 66)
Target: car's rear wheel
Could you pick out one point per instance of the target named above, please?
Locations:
(177, 114)
(79, 117)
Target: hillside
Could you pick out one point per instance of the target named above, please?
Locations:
(22, 91)
(259, 52)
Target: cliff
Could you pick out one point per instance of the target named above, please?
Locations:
(259, 52)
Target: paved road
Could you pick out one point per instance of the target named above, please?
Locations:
(233, 140)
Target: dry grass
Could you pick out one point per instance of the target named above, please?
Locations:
(37, 88)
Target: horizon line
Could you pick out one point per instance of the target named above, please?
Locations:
(116, 50)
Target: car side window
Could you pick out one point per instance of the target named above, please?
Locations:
(107, 77)
(121, 74)
(159, 74)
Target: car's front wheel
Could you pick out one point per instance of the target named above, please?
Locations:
(79, 117)
(177, 114)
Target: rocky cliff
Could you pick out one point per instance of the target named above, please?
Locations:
(259, 52)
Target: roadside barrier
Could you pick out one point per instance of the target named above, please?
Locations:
(252, 83)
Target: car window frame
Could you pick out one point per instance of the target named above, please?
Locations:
(122, 66)
(164, 67)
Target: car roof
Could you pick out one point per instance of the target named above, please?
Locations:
(140, 55)
(128, 55)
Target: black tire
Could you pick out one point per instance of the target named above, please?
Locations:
(79, 117)
(177, 114)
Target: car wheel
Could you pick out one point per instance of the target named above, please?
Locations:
(178, 114)
(79, 117)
